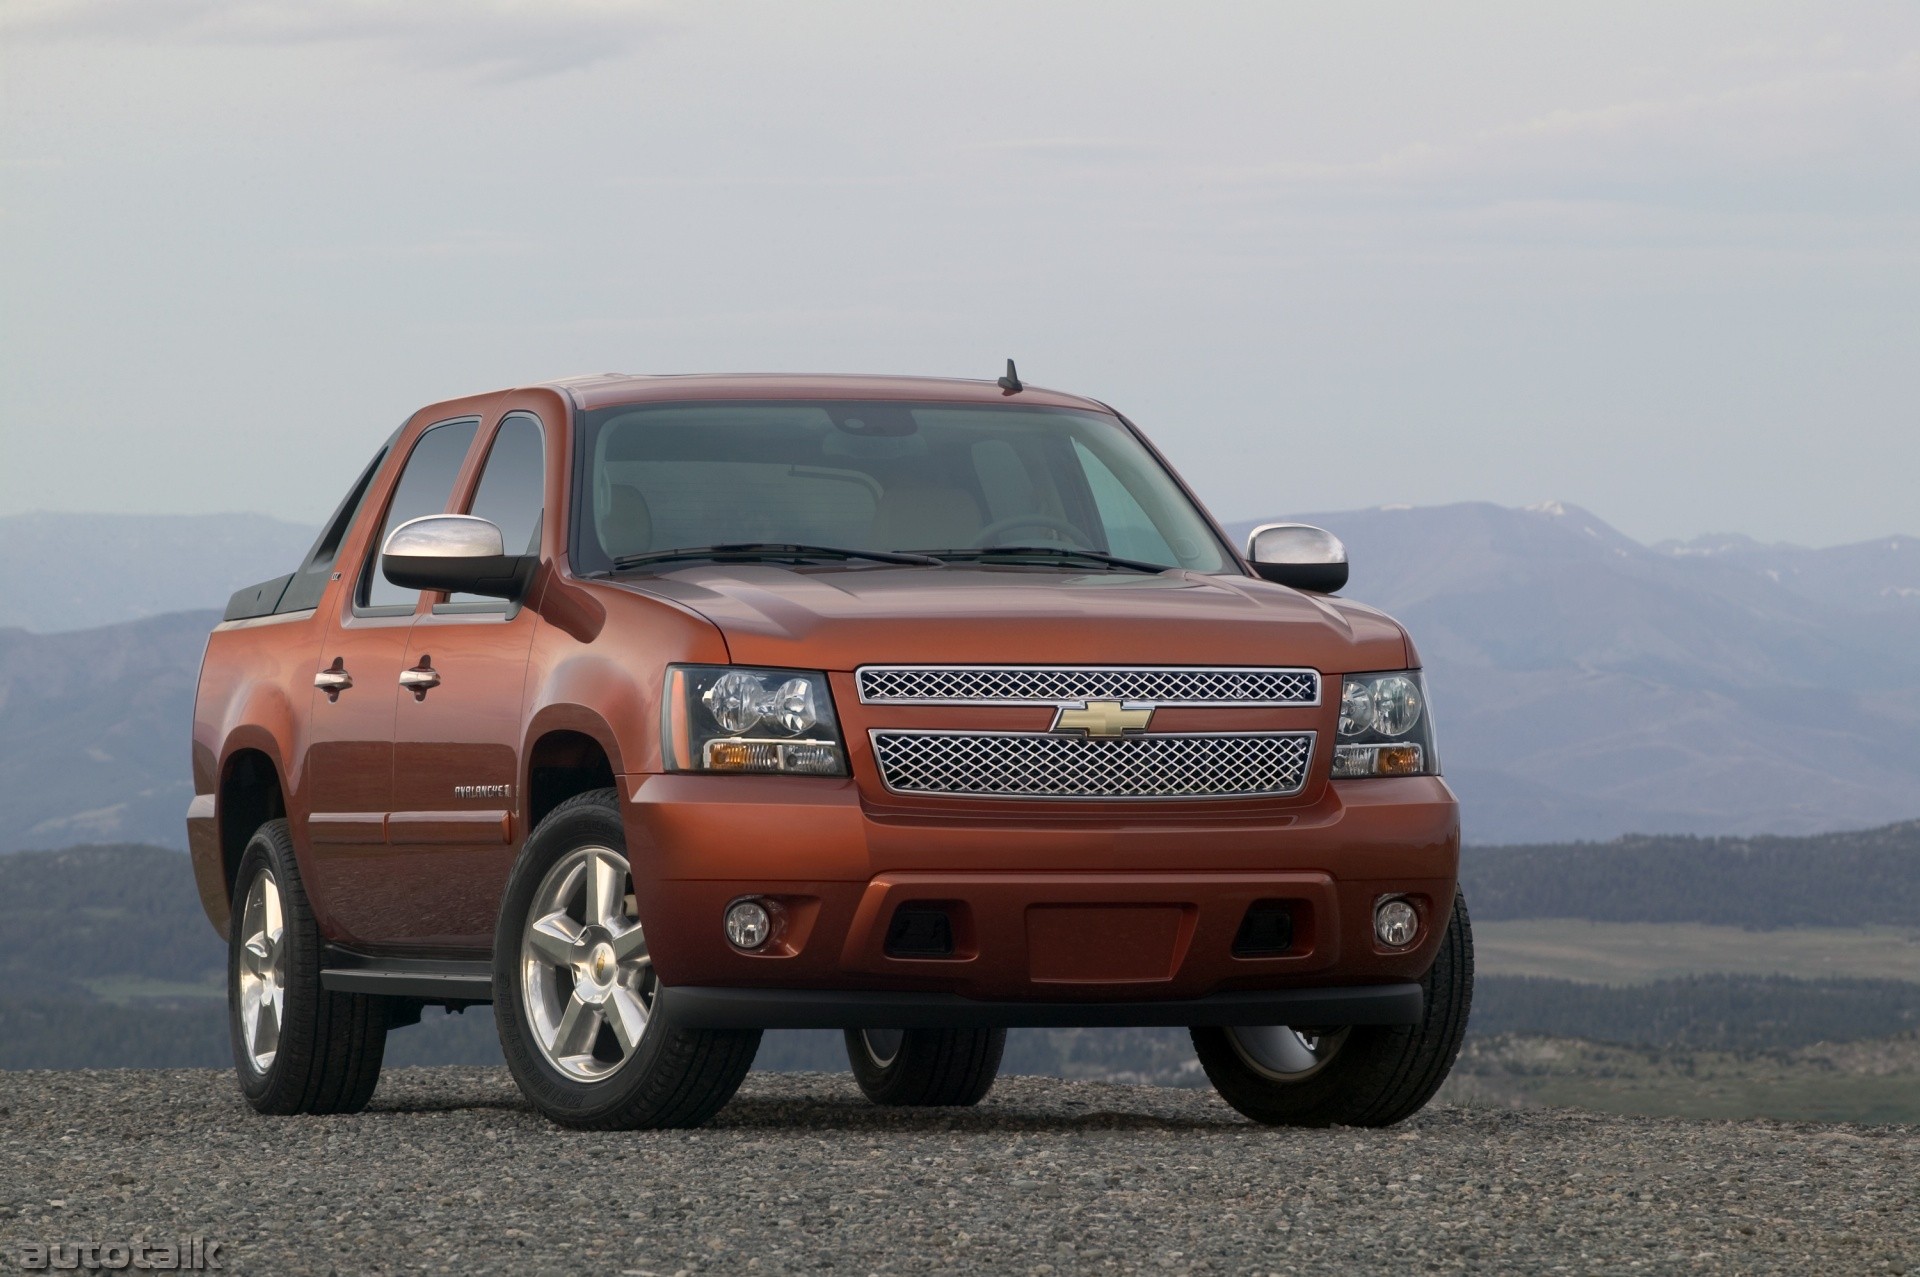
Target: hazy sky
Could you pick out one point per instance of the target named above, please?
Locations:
(1662, 260)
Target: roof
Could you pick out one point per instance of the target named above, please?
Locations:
(603, 390)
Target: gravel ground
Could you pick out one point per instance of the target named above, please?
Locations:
(450, 1171)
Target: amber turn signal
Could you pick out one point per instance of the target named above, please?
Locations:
(1351, 761)
(1397, 760)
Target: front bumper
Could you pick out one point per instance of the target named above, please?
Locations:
(710, 1008)
(1063, 916)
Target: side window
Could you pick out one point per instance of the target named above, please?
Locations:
(424, 488)
(512, 490)
(1130, 533)
(311, 580)
(513, 486)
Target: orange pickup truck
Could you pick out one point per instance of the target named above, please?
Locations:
(659, 711)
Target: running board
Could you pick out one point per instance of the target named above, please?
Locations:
(448, 980)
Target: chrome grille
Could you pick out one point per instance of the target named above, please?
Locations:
(1045, 765)
(1054, 684)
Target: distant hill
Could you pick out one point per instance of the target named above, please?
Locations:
(1588, 686)
(94, 731)
(1848, 879)
(1868, 576)
(78, 571)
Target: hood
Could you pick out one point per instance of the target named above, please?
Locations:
(839, 618)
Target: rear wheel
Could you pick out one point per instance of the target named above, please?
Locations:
(1367, 1075)
(575, 993)
(297, 1048)
(926, 1067)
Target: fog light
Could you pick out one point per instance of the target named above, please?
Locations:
(1395, 922)
(749, 925)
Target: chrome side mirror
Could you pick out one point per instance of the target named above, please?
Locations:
(457, 553)
(1299, 555)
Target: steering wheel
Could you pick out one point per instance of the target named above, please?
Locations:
(985, 541)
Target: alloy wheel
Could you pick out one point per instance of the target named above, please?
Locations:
(1285, 1054)
(586, 977)
(883, 1045)
(263, 971)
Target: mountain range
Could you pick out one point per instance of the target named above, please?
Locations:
(1585, 685)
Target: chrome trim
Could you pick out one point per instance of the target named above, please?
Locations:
(1111, 692)
(1295, 543)
(444, 536)
(335, 681)
(874, 735)
(255, 622)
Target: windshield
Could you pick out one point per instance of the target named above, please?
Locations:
(875, 476)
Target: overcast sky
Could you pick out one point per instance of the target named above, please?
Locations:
(1662, 260)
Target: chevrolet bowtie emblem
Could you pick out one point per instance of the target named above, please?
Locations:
(1107, 719)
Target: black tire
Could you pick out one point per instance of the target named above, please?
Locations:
(943, 1068)
(673, 1076)
(329, 1045)
(1374, 1075)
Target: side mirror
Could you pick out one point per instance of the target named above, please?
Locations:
(1299, 555)
(457, 553)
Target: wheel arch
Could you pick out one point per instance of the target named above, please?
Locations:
(250, 792)
(563, 761)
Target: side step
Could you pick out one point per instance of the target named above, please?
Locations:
(439, 980)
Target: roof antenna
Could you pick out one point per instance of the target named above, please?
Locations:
(1011, 382)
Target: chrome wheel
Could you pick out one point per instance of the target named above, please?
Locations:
(882, 1045)
(1283, 1054)
(263, 971)
(585, 975)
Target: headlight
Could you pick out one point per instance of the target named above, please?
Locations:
(723, 718)
(1386, 727)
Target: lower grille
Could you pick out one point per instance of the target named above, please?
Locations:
(1045, 765)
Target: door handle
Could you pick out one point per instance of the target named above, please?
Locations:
(421, 679)
(334, 679)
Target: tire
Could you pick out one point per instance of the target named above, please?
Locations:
(322, 1051)
(926, 1067)
(1361, 1076)
(614, 1065)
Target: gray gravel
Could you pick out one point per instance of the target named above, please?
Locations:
(450, 1171)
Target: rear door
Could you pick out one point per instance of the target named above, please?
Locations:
(457, 732)
(349, 760)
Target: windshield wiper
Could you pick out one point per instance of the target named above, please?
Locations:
(1058, 553)
(771, 551)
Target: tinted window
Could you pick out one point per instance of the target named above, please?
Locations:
(512, 490)
(513, 485)
(877, 476)
(1130, 531)
(311, 580)
(424, 488)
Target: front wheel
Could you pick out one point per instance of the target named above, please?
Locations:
(926, 1067)
(575, 994)
(1359, 1076)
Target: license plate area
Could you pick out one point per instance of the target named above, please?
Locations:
(1105, 943)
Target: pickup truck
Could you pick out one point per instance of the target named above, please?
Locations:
(660, 711)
